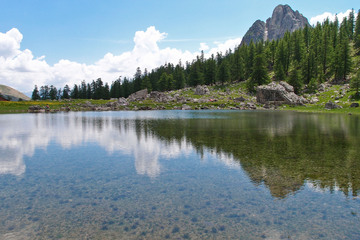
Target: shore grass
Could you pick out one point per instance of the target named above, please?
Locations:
(223, 94)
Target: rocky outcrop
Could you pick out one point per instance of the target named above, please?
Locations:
(278, 93)
(283, 20)
(202, 90)
(139, 95)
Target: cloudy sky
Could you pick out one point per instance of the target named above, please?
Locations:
(66, 41)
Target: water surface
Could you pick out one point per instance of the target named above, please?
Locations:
(179, 175)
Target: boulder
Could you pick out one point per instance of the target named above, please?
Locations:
(354, 105)
(239, 99)
(186, 107)
(251, 106)
(139, 95)
(160, 97)
(331, 105)
(35, 109)
(278, 93)
(201, 90)
(122, 101)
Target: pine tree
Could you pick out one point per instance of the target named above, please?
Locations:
(66, 92)
(259, 74)
(295, 80)
(351, 24)
(53, 92)
(35, 94)
(75, 92)
(355, 84)
(357, 33)
(223, 72)
(179, 76)
(280, 62)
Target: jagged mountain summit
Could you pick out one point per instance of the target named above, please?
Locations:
(9, 94)
(282, 20)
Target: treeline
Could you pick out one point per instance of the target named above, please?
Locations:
(310, 56)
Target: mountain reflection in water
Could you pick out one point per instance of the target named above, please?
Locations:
(283, 151)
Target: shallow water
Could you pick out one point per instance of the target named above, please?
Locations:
(179, 175)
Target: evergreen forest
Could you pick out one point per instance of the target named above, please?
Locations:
(305, 58)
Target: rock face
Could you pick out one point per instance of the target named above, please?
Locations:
(282, 20)
(278, 93)
(10, 94)
(256, 32)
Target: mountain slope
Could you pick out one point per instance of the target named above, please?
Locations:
(282, 20)
(11, 94)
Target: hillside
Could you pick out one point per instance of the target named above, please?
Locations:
(11, 94)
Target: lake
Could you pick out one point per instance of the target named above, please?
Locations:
(180, 175)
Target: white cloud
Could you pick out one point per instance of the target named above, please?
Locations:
(320, 18)
(21, 70)
(204, 47)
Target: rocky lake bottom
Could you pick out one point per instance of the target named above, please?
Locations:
(179, 175)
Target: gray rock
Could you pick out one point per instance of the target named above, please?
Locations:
(139, 95)
(354, 105)
(36, 109)
(160, 97)
(239, 99)
(202, 90)
(331, 105)
(122, 101)
(250, 105)
(186, 107)
(278, 93)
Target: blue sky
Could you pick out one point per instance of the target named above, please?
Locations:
(78, 34)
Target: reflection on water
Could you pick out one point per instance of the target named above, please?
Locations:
(179, 174)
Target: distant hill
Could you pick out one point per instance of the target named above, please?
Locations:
(11, 94)
(283, 19)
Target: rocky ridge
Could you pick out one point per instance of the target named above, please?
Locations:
(283, 19)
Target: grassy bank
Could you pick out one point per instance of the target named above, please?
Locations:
(220, 97)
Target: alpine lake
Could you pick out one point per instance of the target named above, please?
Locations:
(180, 175)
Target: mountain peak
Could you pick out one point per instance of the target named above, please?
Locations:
(283, 19)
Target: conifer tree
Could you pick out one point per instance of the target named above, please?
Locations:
(35, 94)
(357, 33)
(259, 74)
(223, 72)
(280, 61)
(295, 80)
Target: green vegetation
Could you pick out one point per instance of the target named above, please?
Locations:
(327, 52)
(309, 56)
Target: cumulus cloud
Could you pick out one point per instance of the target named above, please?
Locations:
(21, 70)
(320, 18)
